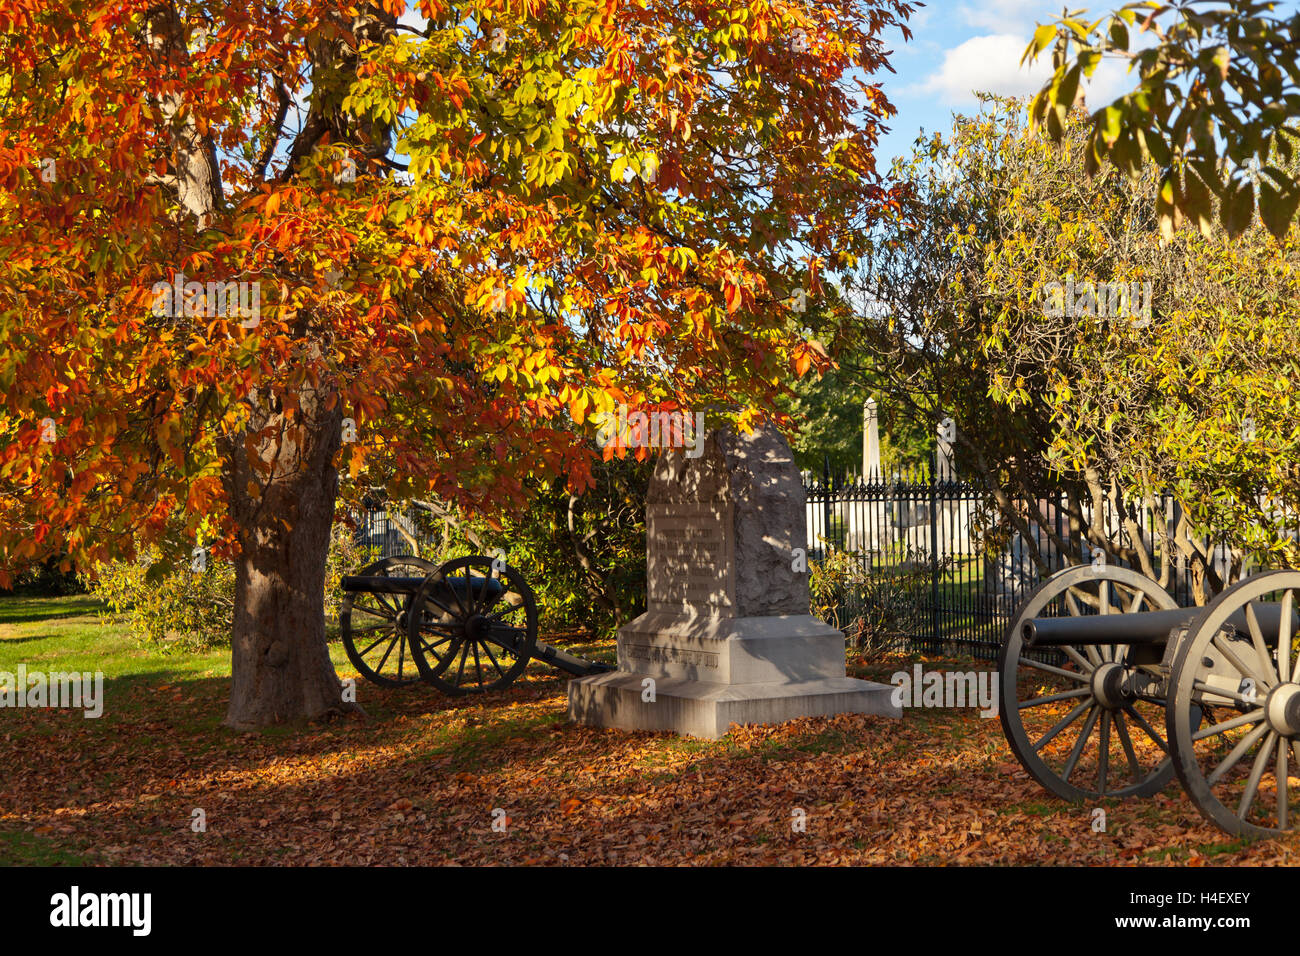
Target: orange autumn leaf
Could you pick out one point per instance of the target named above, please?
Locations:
(733, 297)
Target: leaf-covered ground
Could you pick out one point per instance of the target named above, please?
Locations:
(419, 781)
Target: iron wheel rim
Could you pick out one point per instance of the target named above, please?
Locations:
(383, 640)
(477, 631)
(1106, 742)
(1239, 738)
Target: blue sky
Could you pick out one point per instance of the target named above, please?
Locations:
(962, 45)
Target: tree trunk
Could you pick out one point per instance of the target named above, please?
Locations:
(197, 175)
(284, 510)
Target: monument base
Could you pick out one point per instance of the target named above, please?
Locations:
(726, 637)
(708, 709)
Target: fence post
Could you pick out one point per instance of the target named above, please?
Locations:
(826, 503)
(934, 545)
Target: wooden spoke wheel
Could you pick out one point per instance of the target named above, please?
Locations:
(1238, 668)
(1082, 721)
(374, 626)
(477, 626)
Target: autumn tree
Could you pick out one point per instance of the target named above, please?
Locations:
(457, 237)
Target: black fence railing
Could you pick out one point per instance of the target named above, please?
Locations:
(924, 560)
(898, 559)
(388, 529)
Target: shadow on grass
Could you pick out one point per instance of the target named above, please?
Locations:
(17, 609)
(29, 639)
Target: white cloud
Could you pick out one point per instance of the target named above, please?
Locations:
(1112, 79)
(413, 18)
(991, 63)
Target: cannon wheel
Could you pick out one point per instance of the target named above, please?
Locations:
(1055, 718)
(478, 627)
(374, 625)
(1237, 768)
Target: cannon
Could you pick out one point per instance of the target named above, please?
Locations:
(468, 626)
(1109, 689)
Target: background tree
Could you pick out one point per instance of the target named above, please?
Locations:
(467, 237)
(1110, 409)
(1217, 107)
(827, 411)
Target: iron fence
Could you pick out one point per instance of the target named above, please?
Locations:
(389, 529)
(924, 560)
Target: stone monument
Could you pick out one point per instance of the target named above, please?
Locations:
(870, 441)
(870, 526)
(726, 637)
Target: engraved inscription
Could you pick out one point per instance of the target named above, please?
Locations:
(670, 655)
(690, 555)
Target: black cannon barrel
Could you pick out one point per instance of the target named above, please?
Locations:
(380, 584)
(1142, 627)
(578, 666)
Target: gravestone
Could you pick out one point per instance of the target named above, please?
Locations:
(946, 435)
(870, 441)
(727, 636)
(870, 527)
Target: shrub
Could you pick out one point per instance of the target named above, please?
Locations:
(584, 556)
(48, 579)
(189, 609)
(876, 608)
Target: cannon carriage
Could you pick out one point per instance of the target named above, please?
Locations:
(468, 626)
(1109, 689)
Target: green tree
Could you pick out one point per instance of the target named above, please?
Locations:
(828, 413)
(1110, 408)
(1216, 108)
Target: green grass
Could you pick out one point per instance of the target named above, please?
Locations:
(38, 609)
(1219, 849)
(31, 849)
(448, 741)
(72, 634)
(67, 634)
